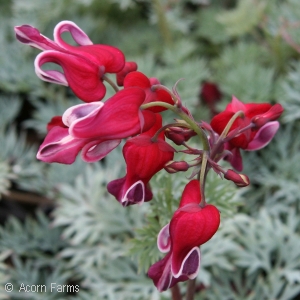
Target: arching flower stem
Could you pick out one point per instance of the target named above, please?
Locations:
(202, 176)
(110, 82)
(193, 125)
(228, 138)
(224, 133)
(162, 87)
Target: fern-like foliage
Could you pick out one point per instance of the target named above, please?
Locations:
(20, 157)
(265, 257)
(31, 238)
(289, 95)
(32, 247)
(243, 18)
(242, 70)
(9, 109)
(275, 183)
(6, 176)
(98, 230)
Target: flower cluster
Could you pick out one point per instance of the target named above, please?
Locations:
(133, 114)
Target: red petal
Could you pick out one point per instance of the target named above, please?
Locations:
(137, 79)
(60, 147)
(191, 193)
(235, 105)
(55, 121)
(118, 118)
(219, 122)
(189, 229)
(130, 66)
(82, 75)
(254, 109)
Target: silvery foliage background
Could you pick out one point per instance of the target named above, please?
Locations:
(89, 239)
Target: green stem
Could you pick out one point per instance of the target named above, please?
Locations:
(193, 125)
(224, 133)
(203, 172)
(108, 80)
(162, 87)
(229, 124)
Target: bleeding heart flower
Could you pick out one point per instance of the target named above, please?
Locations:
(210, 94)
(119, 117)
(138, 79)
(251, 132)
(190, 227)
(60, 147)
(144, 157)
(83, 65)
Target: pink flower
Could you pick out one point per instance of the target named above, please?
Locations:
(144, 158)
(138, 79)
(60, 147)
(95, 128)
(190, 227)
(83, 66)
(119, 117)
(258, 133)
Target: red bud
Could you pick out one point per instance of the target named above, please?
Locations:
(176, 166)
(240, 180)
(179, 135)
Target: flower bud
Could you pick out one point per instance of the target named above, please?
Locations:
(179, 135)
(240, 180)
(176, 166)
(272, 114)
(210, 93)
(129, 66)
(55, 121)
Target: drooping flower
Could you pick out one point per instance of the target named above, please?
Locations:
(119, 117)
(190, 227)
(144, 157)
(258, 121)
(210, 94)
(60, 147)
(138, 79)
(95, 128)
(83, 65)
